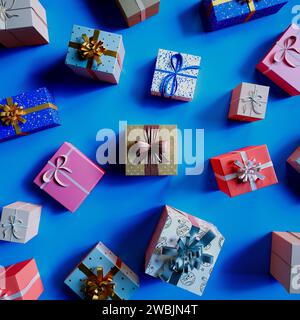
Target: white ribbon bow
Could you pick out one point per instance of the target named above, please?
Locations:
(4, 11)
(249, 170)
(12, 224)
(288, 52)
(59, 168)
(255, 100)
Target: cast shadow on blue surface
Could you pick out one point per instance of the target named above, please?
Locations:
(292, 182)
(132, 242)
(142, 90)
(60, 79)
(108, 16)
(192, 20)
(248, 268)
(44, 198)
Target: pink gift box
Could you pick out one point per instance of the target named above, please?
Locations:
(20, 281)
(69, 177)
(282, 62)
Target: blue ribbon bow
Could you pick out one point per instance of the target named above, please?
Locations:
(177, 66)
(186, 256)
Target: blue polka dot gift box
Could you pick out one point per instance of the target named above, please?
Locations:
(183, 250)
(225, 13)
(96, 54)
(27, 113)
(101, 275)
(175, 75)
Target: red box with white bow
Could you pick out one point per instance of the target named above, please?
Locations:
(244, 170)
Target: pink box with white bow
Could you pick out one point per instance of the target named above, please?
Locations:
(69, 177)
(282, 62)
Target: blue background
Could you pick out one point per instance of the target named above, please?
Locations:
(123, 211)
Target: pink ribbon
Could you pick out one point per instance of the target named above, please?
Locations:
(59, 168)
(287, 51)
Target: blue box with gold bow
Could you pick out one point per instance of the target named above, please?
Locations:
(225, 13)
(96, 54)
(101, 275)
(183, 250)
(27, 113)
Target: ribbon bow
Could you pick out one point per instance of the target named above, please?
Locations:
(177, 66)
(4, 11)
(255, 101)
(286, 51)
(151, 150)
(91, 49)
(99, 287)
(186, 256)
(13, 224)
(59, 167)
(11, 113)
(249, 170)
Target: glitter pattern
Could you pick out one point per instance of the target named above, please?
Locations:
(186, 85)
(234, 12)
(109, 65)
(35, 121)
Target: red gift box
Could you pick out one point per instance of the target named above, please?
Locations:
(20, 281)
(244, 170)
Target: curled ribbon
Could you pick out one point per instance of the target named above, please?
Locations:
(255, 101)
(12, 225)
(3, 294)
(151, 150)
(286, 51)
(99, 287)
(248, 171)
(91, 48)
(186, 256)
(4, 11)
(172, 76)
(11, 113)
(59, 168)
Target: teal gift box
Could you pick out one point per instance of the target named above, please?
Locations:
(96, 54)
(101, 275)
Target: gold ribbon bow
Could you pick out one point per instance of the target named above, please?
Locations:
(12, 113)
(251, 6)
(92, 49)
(99, 287)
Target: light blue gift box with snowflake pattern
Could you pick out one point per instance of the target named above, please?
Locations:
(175, 75)
(96, 54)
(183, 250)
(116, 281)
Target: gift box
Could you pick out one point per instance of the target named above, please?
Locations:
(69, 177)
(183, 250)
(22, 23)
(135, 11)
(225, 13)
(244, 170)
(285, 260)
(101, 275)
(282, 63)
(27, 113)
(151, 150)
(294, 159)
(249, 102)
(96, 54)
(20, 222)
(175, 75)
(20, 281)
